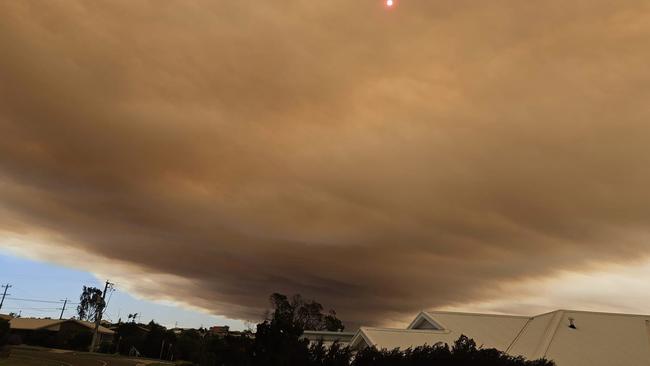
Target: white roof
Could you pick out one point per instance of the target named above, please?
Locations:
(599, 339)
(399, 338)
(487, 330)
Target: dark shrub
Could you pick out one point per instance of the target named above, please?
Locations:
(14, 340)
(106, 347)
(4, 332)
(4, 338)
(80, 341)
(463, 353)
(42, 338)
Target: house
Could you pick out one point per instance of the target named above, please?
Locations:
(219, 331)
(568, 337)
(223, 331)
(327, 338)
(55, 331)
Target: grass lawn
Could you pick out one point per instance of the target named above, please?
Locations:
(24, 361)
(37, 356)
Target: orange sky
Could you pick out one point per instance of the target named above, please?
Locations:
(439, 154)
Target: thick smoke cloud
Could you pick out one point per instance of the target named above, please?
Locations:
(378, 161)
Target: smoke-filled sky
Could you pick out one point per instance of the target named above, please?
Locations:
(437, 154)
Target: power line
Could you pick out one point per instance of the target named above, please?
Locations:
(36, 309)
(112, 289)
(38, 300)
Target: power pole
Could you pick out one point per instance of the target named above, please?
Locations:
(7, 286)
(63, 309)
(98, 317)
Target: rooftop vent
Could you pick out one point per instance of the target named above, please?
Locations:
(572, 323)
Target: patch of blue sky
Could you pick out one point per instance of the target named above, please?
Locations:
(52, 283)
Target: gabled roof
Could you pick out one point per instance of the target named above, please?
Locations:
(487, 330)
(597, 339)
(398, 338)
(51, 324)
(568, 337)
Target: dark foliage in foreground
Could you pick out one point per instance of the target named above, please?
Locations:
(4, 332)
(4, 338)
(463, 353)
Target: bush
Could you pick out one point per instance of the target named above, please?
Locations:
(4, 338)
(463, 353)
(80, 341)
(14, 340)
(42, 338)
(106, 347)
(335, 355)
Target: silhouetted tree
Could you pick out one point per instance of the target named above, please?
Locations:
(156, 340)
(230, 350)
(277, 340)
(90, 303)
(189, 345)
(305, 314)
(80, 341)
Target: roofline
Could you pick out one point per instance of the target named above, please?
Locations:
(417, 317)
(325, 332)
(593, 312)
(475, 314)
(399, 330)
(531, 316)
(61, 321)
(361, 334)
(91, 327)
(428, 318)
